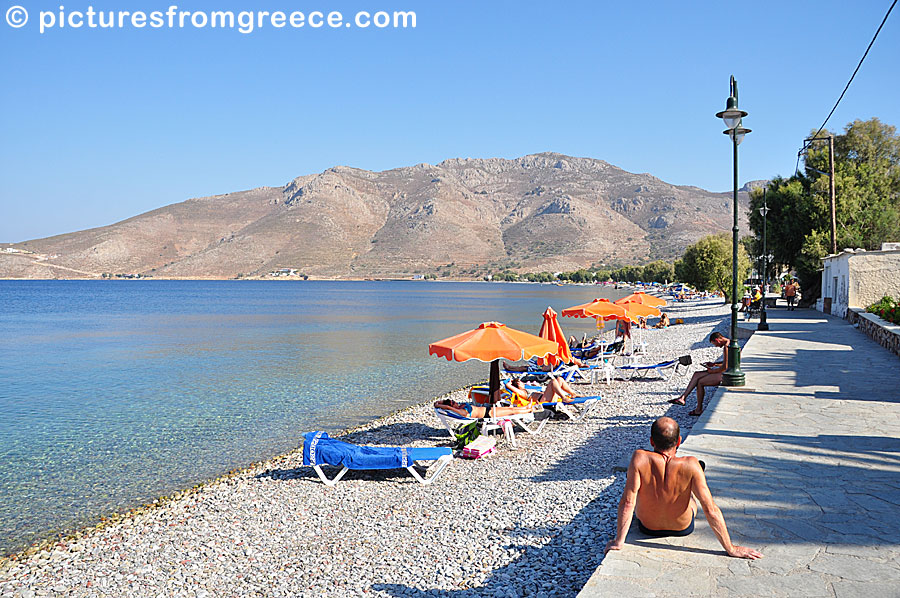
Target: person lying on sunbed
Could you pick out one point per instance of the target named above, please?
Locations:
(557, 387)
(613, 347)
(476, 411)
(574, 343)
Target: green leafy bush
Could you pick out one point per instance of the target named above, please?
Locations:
(886, 309)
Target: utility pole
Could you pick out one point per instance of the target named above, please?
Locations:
(831, 193)
(831, 185)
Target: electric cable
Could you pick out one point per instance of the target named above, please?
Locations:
(813, 138)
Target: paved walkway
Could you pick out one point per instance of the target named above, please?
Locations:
(806, 468)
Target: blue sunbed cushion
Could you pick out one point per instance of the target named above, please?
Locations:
(320, 449)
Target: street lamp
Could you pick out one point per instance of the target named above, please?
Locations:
(763, 324)
(732, 115)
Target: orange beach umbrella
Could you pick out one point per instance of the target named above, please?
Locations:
(642, 297)
(602, 309)
(639, 310)
(493, 341)
(551, 330)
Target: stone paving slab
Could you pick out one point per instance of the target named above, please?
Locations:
(806, 469)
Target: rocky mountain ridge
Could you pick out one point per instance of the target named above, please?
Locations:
(461, 217)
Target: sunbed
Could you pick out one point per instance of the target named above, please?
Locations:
(319, 449)
(665, 369)
(584, 405)
(526, 421)
(566, 372)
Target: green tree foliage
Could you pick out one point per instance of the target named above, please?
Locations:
(658, 271)
(506, 275)
(539, 277)
(628, 274)
(578, 276)
(867, 199)
(707, 264)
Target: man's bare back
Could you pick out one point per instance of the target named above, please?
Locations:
(664, 501)
(659, 489)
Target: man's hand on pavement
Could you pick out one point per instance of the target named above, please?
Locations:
(742, 552)
(611, 545)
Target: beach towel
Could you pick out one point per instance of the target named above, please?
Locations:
(320, 449)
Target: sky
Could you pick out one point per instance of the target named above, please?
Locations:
(98, 125)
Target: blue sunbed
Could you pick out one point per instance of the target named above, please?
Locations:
(320, 449)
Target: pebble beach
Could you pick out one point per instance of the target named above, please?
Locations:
(525, 521)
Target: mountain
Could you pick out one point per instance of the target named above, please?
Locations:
(460, 217)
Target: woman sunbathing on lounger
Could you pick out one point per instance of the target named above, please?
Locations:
(557, 387)
(476, 411)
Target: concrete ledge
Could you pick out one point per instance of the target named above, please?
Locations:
(645, 562)
(803, 469)
(881, 331)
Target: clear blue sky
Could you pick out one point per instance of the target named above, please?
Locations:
(99, 125)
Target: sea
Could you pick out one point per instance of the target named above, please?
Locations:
(114, 393)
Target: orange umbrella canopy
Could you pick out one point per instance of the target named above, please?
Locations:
(639, 310)
(491, 341)
(642, 297)
(602, 309)
(551, 330)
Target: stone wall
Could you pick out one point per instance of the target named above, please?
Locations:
(882, 332)
(872, 276)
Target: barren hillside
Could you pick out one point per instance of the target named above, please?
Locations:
(540, 212)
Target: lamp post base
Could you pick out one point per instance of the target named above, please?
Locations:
(733, 376)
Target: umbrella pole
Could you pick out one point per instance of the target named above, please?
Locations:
(494, 382)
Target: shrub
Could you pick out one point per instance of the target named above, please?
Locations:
(886, 309)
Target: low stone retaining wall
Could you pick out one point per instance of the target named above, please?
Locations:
(882, 332)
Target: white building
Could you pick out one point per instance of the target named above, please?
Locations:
(859, 278)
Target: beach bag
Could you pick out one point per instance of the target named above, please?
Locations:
(478, 448)
(685, 360)
(467, 434)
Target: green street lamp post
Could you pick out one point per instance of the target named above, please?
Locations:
(763, 324)
(732, 116)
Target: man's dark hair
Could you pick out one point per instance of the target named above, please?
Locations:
(715, 336)
(665, 433)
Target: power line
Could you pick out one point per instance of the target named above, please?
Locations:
(806, 145)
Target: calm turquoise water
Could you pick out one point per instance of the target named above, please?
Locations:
(115, 392)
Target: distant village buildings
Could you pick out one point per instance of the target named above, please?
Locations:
(284, 272)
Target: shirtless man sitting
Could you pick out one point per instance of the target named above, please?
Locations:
(659, 490)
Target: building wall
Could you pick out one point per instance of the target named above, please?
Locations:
(836, 283)
(872, 276)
